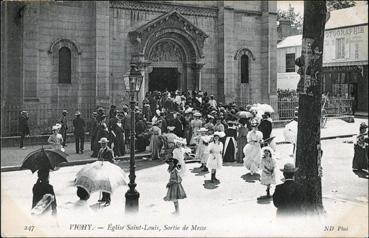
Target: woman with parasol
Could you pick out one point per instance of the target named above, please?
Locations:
(41, 188)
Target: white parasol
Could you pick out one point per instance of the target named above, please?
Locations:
(101, 176)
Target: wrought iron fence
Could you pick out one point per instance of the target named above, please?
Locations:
(285, 107)
(41, 117)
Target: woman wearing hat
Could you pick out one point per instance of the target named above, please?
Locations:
(215, 160)
(360, 160)
(241, 139)
(252, 150)
(155, 142)
(119, 140)
(268, 166)
(174, 186)
(230, 142)
(178, 154)
(187, 125)
(200, 148)
(56, 139)
(102, 131)
(196, 124)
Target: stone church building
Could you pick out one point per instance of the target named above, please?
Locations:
(77, 52)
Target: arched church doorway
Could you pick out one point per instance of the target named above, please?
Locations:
(162, 78)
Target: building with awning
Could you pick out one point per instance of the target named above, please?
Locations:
(345, 57)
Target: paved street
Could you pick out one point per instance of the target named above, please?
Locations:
(228, 209)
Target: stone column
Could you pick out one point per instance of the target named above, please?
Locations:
(197, 77)
(102, 54)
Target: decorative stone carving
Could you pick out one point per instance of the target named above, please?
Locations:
(244, 51)
(165, 7)
(166, 51)
(169, 23)
(64, 42)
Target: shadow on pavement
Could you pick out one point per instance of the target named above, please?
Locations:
(264, 200)
(233, 164)
(140, 164)
(209, 185)
(362, 174)
(198, 171)
(251, 178)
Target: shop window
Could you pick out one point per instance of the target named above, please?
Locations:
(65, 65)
(340, 48)
(290, 62)
(244, 69)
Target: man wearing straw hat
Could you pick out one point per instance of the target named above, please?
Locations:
(288, 197)
(79, 132)
(105, 154)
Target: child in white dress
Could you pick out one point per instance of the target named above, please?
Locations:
(268, 167)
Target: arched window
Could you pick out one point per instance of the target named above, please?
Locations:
(65, 65)
(244, 69)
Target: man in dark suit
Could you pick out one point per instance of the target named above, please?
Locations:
(266, 126)
(23, 127)
(105, 154)
(288, 197)
(79, 132)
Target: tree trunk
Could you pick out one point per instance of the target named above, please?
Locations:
(308, 152)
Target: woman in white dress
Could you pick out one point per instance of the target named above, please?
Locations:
(56, 139)
(215, 160)
(252, 150)
(178, 154)
(196, 124)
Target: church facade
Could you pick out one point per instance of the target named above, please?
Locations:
(77, 52)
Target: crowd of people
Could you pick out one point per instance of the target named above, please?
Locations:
(194, 125)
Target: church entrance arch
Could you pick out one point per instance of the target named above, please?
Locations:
(169, 44)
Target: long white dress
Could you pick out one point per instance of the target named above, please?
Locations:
(252, 151)
(215, 160)
(268, 167)
(178, 154)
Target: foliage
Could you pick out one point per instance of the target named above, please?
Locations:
(340, 4)
(286, 94)
(294, 17)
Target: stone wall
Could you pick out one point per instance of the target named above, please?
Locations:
(47, 26)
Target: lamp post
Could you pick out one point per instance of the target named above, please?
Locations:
(133, 84)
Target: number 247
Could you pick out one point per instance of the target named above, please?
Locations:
(29, 228)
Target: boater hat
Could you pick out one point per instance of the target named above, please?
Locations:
(197, 114)
(202, 129)
(103, 140)
(77, 113)
(171, 128)
(289, 168)
(219, 133)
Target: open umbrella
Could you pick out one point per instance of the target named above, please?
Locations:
(101, 176)
(290, 132)
(244, 114)
(44, 159)
(266, 108)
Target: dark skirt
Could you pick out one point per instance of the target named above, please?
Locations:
(360, 160)
(241, 143)
(229, 152)
(175, 192)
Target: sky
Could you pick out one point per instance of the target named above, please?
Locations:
(298, 5)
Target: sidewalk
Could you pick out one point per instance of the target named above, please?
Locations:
(12, 157)
(227, 209)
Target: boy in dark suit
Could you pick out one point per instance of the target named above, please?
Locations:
(288, 197)
(105, 154)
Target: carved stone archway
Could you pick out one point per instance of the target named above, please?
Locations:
(183, 43)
